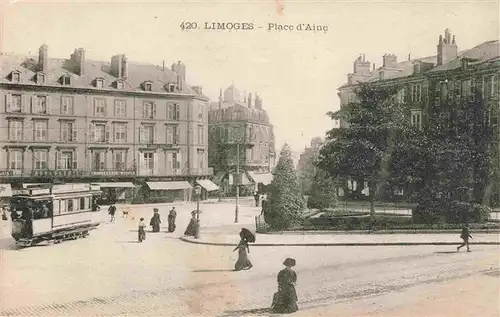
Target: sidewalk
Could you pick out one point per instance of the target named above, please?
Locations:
(230, 237)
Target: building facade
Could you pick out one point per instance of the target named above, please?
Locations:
(239, 123)
(80, 120)
(439, 89)
(305, 166)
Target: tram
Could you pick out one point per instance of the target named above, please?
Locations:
(54, 213)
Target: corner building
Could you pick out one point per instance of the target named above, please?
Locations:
(117, 123)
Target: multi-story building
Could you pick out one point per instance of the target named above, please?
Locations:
(305, 166)
(240, 124)
(75, 120)
(438, 88)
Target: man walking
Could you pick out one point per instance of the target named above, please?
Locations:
(465, 236)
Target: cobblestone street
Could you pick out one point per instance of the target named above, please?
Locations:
(110, 274)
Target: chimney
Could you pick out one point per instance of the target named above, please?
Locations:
(180, 69)
(116, 66)
(409, 57)
(390, 61)
(163, 67)
(124, 67)
(78, 59)
(198, 89)
(250, 100)
(447, 49)
(417, 68)
(361, 66)
(220, 98)
(43, 57)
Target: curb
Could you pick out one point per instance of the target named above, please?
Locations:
(188, 240)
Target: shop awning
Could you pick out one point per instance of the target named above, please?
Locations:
(207, 184)
(5, 190)
(264, 178)
(116, 185)
(244, 179)
(169, 185)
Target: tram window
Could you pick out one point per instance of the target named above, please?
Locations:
(82, 203)
(70, 205)
(76, 205)
(57, 211)
(63, 206)
(87, 203)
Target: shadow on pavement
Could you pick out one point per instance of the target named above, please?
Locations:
(130, 241)
(446, 252)
(245, 312)
(7, 244)
(214, 270)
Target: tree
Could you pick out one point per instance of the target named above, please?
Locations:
(323, 194)
(284, 199)
(363, 150)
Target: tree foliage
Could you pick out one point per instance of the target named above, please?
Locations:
(285, 201)
(322, 195)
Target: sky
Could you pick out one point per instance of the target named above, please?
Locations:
(296, 73)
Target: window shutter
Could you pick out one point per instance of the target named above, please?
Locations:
(179, 161)
(155, 164)
(155, 135)
(154, 110)
(126, 133)
(75, 159)
(140, 166)
(58, 160)
(8, 102)
(141, 134)
(32, 104)
(92, 132)
(495, 85)
(168, 159)
(177, 134)
(106, 133)
(73, 132)
(177, 112)
(48, 104)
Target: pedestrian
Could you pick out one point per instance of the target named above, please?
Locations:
(285, 300)
(4, 213)
(465, 236)
(111, 212)
(191, 228)
(264, 205)
(155, 221)
(256, 196)
(142, 230)
(243, 262)
(171, 220)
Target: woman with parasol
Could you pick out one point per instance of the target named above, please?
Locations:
(155, 221)
(285, 300)
(243, 262)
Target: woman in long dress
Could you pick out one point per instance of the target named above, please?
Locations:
(285, 300)
(171, 220)
(191, 228)
(243, 262)
(155, 221)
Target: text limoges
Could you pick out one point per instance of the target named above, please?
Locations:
(228, 26)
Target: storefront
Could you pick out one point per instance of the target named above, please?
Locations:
(261, 180)
(169, 191)
(116, 192)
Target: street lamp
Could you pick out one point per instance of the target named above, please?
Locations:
(197, 191)
(237, 182)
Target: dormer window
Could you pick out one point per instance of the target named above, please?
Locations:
(65, 80)
(120, 84)
(40, 78)
(148, 86)
(99, 82)
(170, 88)
(15, 76)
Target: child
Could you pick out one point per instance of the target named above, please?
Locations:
(142, 230)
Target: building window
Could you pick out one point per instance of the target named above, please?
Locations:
(40, 130)
(99, 83)
(200, 113)
(147, 134)
(66, 80)
(120, 84)
(201, 161)
(201, 135)
(490, 86)
(68, 131)
(39, 105)
(148, 86)
(120, 135)
(148, 110)
(40, 78)
(14, 103)
(466, 88)
(15, 130)
(170, 87)
(67, 105)
(487, 117)
(119, 160)
(99, 132)
(148, 160)
(172, 134)
(16, 76)
(173, 112)
(416, 119)
(16, 159)
(40, 159)
(402, 95)
(120, 108)
(99, 107)
(98, 160)
(416, 93)
(176, 164)
(66, 162)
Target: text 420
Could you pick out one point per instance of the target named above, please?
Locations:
(189, 26)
